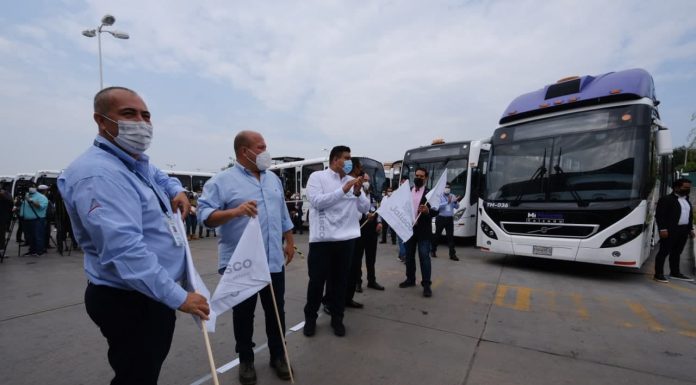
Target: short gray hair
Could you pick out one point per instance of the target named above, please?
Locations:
(102, 100)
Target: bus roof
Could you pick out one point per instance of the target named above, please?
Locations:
(24, 175)
(49, 173)
(575, 92)
(445, 144)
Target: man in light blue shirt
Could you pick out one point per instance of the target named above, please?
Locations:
(445, 220)
(33, 213)
(229, 199)
(120, 206)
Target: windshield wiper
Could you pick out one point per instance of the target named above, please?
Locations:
(571, 189)
(538, 174)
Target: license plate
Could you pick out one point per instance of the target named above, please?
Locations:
(542, 250)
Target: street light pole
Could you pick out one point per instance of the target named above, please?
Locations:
(106, 21)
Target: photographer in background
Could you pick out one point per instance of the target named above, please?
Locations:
(33, 210)
(6, 206)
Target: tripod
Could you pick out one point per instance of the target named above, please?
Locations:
(8, 236)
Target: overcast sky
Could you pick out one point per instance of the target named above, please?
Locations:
(378, 76)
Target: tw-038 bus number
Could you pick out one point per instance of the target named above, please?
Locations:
(498, 205)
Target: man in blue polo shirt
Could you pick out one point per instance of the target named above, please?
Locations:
(121, 209)
(229, 199)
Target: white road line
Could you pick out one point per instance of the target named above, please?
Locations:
(235, 362)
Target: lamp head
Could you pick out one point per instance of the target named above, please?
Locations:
(108, 20)
(120, 35)
(89, 33)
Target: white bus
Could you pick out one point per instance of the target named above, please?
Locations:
(191, 180)
(6, 182)
(46, 177)
(575, 172)
(294, 175)
(462, 161)
(21, 183)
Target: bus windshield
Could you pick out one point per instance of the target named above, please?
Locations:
(456, 172)
(587, 164)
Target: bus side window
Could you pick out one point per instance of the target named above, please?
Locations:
(308, 169)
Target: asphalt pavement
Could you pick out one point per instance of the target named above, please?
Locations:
(493, 319)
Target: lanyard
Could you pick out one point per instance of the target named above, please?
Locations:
(134, 171)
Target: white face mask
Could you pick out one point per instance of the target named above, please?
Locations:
(133, 136)
(447, 190)
(32, 190)
(263, 160)
(366, 185)
(389, 193)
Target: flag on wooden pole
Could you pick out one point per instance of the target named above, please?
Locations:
(246, 273)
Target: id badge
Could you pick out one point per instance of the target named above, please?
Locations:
(176, 235)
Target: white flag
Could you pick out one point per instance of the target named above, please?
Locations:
(433, 196)
(194, 283)
(397, 211)
(246, 273)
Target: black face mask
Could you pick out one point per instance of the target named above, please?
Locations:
(418, 182)
(684, 192)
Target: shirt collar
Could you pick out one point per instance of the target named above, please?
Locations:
(122, 155)
(247, 171)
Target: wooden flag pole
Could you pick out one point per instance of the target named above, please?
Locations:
(282, 333)
(213, 371)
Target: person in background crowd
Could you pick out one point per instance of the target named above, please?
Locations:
(33, 210)
(445, 220)
(675, 224)
(422, 234)
(371, 226)
(6, 206)
(385, 226)
(50, 214)
(192, 219)
(297, 219)
(402, 246)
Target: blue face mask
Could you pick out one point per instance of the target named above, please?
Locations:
(347, 166)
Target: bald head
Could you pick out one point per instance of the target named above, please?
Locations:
(103, 100)
(246, 139)
(247, 145)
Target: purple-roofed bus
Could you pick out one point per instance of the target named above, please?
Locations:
(575, 170)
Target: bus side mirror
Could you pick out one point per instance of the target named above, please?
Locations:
(663, 139)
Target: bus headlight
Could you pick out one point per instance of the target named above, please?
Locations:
(624, 236)
(459, 214)
(487, 230)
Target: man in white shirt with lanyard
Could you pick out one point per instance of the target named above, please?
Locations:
(334, 197)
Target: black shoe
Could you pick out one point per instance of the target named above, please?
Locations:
(353, 304)
(247, 373)
(454, 257)
(433, 254)
(358, 288)
(338, 328)
(407, 283)
(427, 292)
(681, 277)
(375, 285)
(310, 327)
(327, 309)
(660, 278)
(281, 368)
